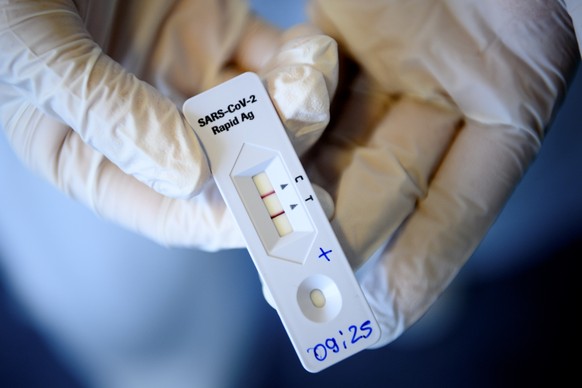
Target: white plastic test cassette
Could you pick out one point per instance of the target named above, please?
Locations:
(286, 230)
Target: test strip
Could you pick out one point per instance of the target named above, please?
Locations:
(272, 204)
(263, 184)
(282, 225)
(288, 235)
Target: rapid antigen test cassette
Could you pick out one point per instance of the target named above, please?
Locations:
(287, 233)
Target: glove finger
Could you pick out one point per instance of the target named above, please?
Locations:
(376, 177)
(57, 153)
(259, 43)
(469, 189)
(301, 80)
(197, 46)
(56, 65)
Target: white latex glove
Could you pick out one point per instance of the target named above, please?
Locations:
(89, 93)
(446, 112)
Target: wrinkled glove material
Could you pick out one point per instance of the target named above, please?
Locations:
(89, 96)
(448, 110)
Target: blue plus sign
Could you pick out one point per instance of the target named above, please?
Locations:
(324, 253)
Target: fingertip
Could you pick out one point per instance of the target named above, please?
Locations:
(184, 180)
(326, 201)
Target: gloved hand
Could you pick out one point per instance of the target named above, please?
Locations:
(447, 108)
(89, 93)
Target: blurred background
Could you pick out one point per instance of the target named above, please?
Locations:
(75, 308)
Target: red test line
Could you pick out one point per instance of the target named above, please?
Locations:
(267, 194)
(278, 214)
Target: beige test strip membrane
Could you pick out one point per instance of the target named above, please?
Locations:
(272, 203)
